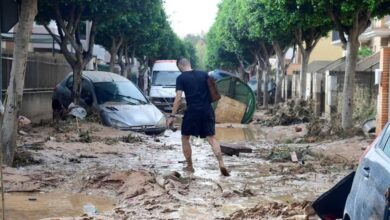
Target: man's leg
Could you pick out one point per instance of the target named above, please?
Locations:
(185, 140)
(217, 151)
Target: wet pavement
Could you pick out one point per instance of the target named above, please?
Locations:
(33, 206)
(127, 174)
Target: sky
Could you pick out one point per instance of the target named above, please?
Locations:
(191, 16)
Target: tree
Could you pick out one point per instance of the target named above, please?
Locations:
(267, 20)
(13, 101)
(216, 54)
(198, 43)
(351, 18)
(129, 31)
(68, 15)
(308, 23)
(250, 31)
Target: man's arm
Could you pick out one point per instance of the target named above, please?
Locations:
(177, 102)
(176, 105)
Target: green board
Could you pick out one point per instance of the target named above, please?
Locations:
(235, 88)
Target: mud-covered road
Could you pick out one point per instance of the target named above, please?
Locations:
(126, 175)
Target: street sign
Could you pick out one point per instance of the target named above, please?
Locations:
(9, 14)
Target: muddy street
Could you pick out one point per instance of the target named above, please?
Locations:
(113, 174)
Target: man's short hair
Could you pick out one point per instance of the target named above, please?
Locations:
(183, 62)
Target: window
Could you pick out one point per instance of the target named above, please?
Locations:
(385, 141)
(125, 92)
(69, 83)
(165, 78)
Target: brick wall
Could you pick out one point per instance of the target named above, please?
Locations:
(383, 94)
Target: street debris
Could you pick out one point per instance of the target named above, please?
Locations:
(24, 157)
(234, 149)
(293, 211)
(23, 122)
(294, 157)
(145, 176)
(77, 111)
(291, 112)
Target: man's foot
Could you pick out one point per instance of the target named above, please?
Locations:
(189, 169)
(224, 171)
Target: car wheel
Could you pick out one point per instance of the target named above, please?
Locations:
(105, 119)
(58, 111)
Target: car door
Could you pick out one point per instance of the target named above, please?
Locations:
(68, 88)
(87, 97)
(374, 180)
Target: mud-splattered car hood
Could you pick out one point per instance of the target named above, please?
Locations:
(133, 115)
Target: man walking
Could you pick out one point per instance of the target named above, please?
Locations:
(199, 119)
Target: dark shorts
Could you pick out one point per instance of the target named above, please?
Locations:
(198, 122)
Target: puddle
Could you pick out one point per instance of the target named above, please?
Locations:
(33, 206)
(234, 134)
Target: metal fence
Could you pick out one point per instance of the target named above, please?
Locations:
(43, 71)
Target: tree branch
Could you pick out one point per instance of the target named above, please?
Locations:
(55, 37)
(70, 26)
(336, 20)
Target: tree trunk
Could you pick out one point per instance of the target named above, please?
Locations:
(349, 81)
(120, 61)
(278, 91)
(15, 88)
(280, 69)
(77, 72)
(259, 77)
(265, 88)
(302, 75)
(113, 53)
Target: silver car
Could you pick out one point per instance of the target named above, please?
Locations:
(119, 103)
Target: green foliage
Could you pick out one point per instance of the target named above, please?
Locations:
(198, 43)
(365, 52)
(353, 17)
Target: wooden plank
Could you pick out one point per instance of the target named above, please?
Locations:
(234, 149)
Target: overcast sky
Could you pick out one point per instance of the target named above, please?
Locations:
(191, 16)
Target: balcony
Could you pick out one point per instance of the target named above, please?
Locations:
(378, 28)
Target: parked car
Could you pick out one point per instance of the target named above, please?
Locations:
(118, 101)
(367, 198)
(219, 74)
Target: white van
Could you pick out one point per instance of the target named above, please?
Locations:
(163, 84)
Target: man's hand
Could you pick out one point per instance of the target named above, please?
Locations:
(170, 122)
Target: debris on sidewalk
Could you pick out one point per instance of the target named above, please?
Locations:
(296, 210)
(291, 112)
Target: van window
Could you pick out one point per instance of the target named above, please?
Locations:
(165, 78)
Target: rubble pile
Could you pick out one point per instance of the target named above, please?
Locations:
(297, 210)
(291, 112)
(320, 128)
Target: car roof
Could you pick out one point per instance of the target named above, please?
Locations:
(102, 76)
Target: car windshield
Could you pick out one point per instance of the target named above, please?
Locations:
(119, 92)
(165, 78)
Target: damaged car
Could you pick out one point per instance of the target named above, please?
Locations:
(119, 103)
(365, 193)
(369, 197)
